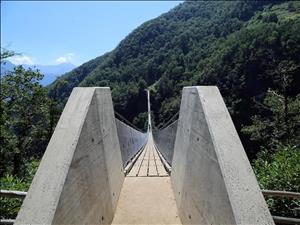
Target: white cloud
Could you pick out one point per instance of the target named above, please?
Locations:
(65, 58)
(22, 59)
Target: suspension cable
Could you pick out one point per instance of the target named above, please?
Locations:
(171, 120)
(123, 119)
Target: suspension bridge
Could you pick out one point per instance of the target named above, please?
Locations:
(99, 170)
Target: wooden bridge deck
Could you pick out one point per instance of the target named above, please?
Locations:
(147, 196)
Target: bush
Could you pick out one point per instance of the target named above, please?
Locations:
(280, 171)
(9, 207)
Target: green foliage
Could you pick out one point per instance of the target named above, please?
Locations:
(278, 124)
(243, 47)
(6, 54)
(141, 121)
(259, 57)
(165, 51)
(27, 118)
(280, 171)
(24, 119)
(10, 206)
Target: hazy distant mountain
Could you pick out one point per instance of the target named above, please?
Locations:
(6, 66)
(51, 72)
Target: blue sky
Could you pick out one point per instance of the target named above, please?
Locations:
(56, 32)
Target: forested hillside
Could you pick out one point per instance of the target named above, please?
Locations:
(244, 48)
(249, 49)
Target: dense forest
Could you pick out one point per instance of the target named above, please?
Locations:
(249, 49)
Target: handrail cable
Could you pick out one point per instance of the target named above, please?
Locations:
(286, 194)
(12, 194)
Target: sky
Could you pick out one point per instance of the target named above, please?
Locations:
(55, 32)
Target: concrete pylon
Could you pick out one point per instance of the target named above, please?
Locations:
(212, 179)
(81, 174)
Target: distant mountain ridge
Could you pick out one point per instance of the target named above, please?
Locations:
(164, 53)
(50, 72)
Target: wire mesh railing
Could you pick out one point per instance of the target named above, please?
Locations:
(124, 120)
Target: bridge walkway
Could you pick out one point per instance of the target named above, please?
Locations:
(147, 196)
(148, 163)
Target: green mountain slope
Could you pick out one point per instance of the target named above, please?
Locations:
(242, 47)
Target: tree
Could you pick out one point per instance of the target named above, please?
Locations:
(6, 54)
(24, 119)
(278, 124)
(286, 73)
(277, 120)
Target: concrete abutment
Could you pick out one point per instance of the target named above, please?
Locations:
(81, 175)
(212, 178)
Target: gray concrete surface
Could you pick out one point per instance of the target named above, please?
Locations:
(81, 174)
(165, 140)
(211, 176)
(131, 141)
(147, 200)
